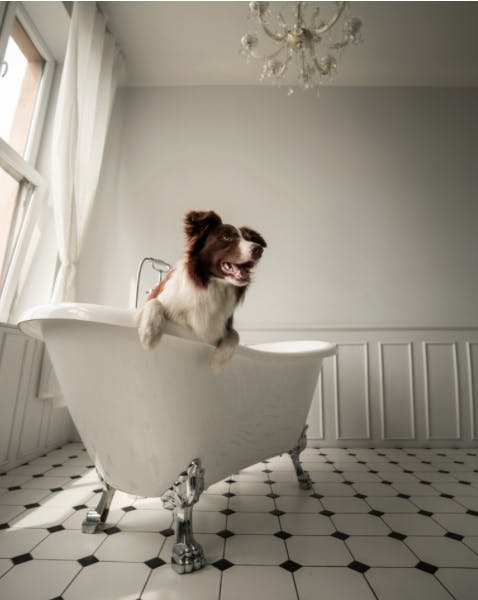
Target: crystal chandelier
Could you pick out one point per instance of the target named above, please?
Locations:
(298, 40)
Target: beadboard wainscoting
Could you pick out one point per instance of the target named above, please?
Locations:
(391, 387)
(30, 421)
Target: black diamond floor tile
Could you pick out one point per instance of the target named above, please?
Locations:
(222, 564)
(154, 563)
(283, 535)
(291, 566)
(86, 561)
(55, 528)
(454, 536)
(167, 532)
(340, 535)
(227, 511)
(358, 566)
(428, 568)
(225, 533)
(21, 558)
(397, 536)
(111, 530)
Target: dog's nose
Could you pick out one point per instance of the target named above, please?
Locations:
(256, 251)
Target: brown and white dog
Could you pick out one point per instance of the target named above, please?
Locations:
(204, 288)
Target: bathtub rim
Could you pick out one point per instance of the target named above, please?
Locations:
(31, 320)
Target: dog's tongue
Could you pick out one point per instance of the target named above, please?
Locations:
(239, 272)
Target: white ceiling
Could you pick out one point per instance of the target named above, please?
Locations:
(197, 43)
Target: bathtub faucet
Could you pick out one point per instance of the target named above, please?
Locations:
(159, 265)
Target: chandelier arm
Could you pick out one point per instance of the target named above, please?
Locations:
(313, 18)
(257, 56)
(326, 26)
(275, 36)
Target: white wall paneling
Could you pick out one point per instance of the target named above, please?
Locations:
(352, 397)
(397, 397)
(391, 387)
(442, 396)
(29, 425)
(472, 364)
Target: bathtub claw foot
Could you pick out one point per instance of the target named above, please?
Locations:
(303, 477)
(95, 517)
(187, 554)
(187, 557)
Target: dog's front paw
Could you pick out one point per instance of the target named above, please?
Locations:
(150, 319)
(221, 356)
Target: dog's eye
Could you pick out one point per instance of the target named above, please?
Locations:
(227, 237)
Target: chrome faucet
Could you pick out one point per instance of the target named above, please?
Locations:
(161, 266)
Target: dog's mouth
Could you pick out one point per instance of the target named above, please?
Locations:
(241, 273)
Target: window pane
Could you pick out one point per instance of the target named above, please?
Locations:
(19, 88)
(9, 194)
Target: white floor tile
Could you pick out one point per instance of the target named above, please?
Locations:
(42, 517)
(5, 565)
(380, 551)
(22, 497)
(470, 502)
(15, 542)
(211, 502)
(471, 542)
(360, 524)
(442, 552)
(46, 483)
(208, 522)
(38, 579)
(8, 513)
(261, 523)
(334, 489)
(145, 520)
(306, 524)
(318, 550)
(437, 504)
(462, 524)
(413, 524)
(412, 584)
(108, 581)
(266, 583)
(392, 505)
(375, 489)
(461, 583)
(146, 503)
(255, 550)
(345, 505)
(165, 584)
(331, 582)
(250, 488)
(298, 504)
(130, 546)
(291, 488)
(255, 503)
(69, 545)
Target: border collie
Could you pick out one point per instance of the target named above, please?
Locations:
(202, 291)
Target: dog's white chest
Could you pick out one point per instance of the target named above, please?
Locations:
(205, 311)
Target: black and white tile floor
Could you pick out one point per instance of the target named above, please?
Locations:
(383, 524)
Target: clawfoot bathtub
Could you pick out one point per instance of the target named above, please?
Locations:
(160, 423)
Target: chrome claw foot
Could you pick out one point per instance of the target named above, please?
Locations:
(303, 477)
(95, 517)
(187, 555)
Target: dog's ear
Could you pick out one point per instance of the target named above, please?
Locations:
(198, 222)
(252, 236)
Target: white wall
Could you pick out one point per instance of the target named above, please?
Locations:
(367, 198)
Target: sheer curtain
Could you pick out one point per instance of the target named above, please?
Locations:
(89, 80)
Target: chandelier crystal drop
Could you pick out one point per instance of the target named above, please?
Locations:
(304, 40)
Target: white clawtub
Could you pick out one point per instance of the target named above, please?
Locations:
(145, 417)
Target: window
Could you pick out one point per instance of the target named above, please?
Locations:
(26, 74)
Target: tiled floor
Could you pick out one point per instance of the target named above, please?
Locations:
(378, 524)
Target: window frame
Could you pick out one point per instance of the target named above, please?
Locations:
(23, 168)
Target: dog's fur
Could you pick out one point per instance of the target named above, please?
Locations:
(204, 288)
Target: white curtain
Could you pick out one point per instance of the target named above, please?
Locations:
(88, 85)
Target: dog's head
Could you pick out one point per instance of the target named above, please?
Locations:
(214, 249)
